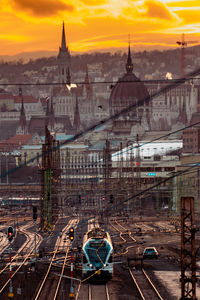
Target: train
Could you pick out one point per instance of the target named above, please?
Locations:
(97, 256)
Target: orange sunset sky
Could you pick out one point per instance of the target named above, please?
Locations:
(35, 25)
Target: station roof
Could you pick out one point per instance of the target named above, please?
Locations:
(148, 149)
(61, 137)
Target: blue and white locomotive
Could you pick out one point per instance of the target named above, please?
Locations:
(97, 262)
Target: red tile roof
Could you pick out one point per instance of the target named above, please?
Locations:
(20, 139)
(6, 96)
(27, 99)
(14, 142)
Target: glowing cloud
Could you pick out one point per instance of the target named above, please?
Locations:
(35, 25)
(94, 2)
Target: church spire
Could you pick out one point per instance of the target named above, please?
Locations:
(47, 106)
(22, 120)
(22, 101)
(129, 64)
(63, 44)
(68, 76)
(77, 120)
(51, 108)
(87, 85)
(51, 119)
(63, 58)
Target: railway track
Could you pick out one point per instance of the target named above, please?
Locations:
(29, 254)
(4, 241)
(92, 292)
(50, 284)
(127, 240)
(98, 292)
(144, 285)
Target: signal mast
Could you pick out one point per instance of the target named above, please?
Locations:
(184, 44)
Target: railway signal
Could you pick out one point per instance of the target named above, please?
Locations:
(71, 234)
(111, 198)
(10, 233)
(34, 213)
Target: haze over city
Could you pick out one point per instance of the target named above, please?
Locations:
(29, 26)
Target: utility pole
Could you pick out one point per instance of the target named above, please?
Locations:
(107, 174)
(7, 168)
(10, 235)
(35, 219)
(71, 237)
(138, 170)
(0, 168)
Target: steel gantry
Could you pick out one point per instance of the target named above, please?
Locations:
(50, 181)
(188, 251)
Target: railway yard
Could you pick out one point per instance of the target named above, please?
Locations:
(46, 273)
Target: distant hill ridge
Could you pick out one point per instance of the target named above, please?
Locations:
(26, 56)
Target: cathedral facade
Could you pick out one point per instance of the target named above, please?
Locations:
(69, 99)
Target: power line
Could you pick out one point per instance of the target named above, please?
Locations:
(146, 100)
(163, 81)
(156, 139)
(179, 173)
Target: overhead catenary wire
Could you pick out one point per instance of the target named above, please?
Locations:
(179, 173)
(154, 140)
(129, 108)
(61, 84)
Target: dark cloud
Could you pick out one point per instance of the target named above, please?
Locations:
(42, 8)
(156, 9)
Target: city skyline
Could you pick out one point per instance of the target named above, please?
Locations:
(29, 26)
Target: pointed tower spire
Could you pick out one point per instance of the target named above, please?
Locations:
(47, 106)
(22, 100)
(63, 44)
(129, 64)
(22, 120)
(68, 76)
(63, 58)
(77, 120)
(51, 108)
(51, 119)
(183, 114)
(87, 85)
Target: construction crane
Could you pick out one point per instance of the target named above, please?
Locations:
(184, 44)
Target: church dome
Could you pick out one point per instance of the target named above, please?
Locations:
(128, 90)
(129, 87)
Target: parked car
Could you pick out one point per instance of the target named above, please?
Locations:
(150, 252)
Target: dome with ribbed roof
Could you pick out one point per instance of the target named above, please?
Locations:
(129, 90)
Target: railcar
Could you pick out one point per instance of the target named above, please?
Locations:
(97, 264)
